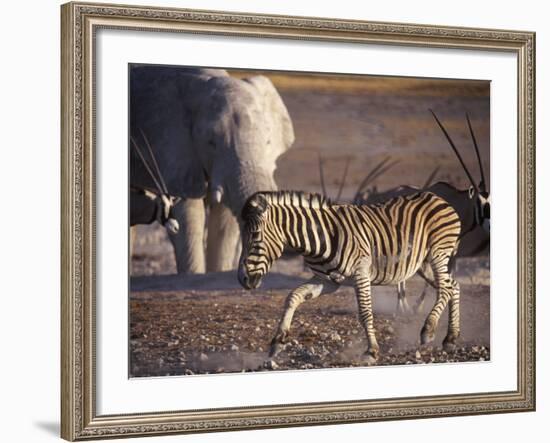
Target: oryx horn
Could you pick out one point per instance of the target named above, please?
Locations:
(372, 174)
(482, 185)
(431, 177)
(343, 182)
(322, 176)
(456, 152)
(155, 164)
(383, 170)
(146, 165)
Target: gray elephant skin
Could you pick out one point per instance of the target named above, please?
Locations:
(216, 139)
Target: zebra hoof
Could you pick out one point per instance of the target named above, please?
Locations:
(275, 349)
(427, 336)
(370, 357)
(449, 345)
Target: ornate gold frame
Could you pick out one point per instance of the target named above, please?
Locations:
(79, 420)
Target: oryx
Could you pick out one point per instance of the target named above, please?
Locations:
(147, 205)
(472, 205)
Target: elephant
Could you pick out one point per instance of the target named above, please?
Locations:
(217, 139)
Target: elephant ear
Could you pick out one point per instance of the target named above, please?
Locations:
(282, 124)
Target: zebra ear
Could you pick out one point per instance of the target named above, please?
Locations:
(257, 204)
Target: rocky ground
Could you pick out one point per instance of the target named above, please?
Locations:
(185, 326)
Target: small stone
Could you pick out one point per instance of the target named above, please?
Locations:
(270, 364)
(189, 372)
(323, 335)
(234, 348)
(203, 357)
(335, 336)
(418, 355)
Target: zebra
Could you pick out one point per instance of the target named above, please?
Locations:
(473, 206)
(381, 244)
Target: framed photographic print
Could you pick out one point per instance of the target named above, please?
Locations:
(282, 221)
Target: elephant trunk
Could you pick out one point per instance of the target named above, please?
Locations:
(250, 179)
(238, 183)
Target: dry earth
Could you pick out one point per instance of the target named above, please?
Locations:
(209, 324)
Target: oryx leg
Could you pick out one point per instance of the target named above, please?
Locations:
(364, 302)
(223, 240)
(402, 303)
(189, 241)
(308, 291)
(447, 289)
(132, 239)
(421, 298)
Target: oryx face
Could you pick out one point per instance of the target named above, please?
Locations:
(482, 211)
(484, 204)
(477, 193)
(165, 213)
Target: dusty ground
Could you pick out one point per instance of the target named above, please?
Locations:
(205, 324)
(208, 324)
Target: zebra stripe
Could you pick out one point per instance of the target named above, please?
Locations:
(381, 244)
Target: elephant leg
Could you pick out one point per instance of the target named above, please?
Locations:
(131, 240)
(189, 241)
(223, 240)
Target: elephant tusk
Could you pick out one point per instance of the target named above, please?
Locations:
(217, 194)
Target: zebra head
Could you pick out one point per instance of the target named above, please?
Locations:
(260, 244)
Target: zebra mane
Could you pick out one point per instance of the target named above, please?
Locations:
(260, 201)
(297, 199)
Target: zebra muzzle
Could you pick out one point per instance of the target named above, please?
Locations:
(249, 281)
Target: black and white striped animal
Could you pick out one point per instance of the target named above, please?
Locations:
(473, 205)
(381, 244)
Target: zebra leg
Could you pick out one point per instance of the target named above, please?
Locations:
(453, 330)
(308, 291)
(425, 273)
(364, 302)
(445, 291)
